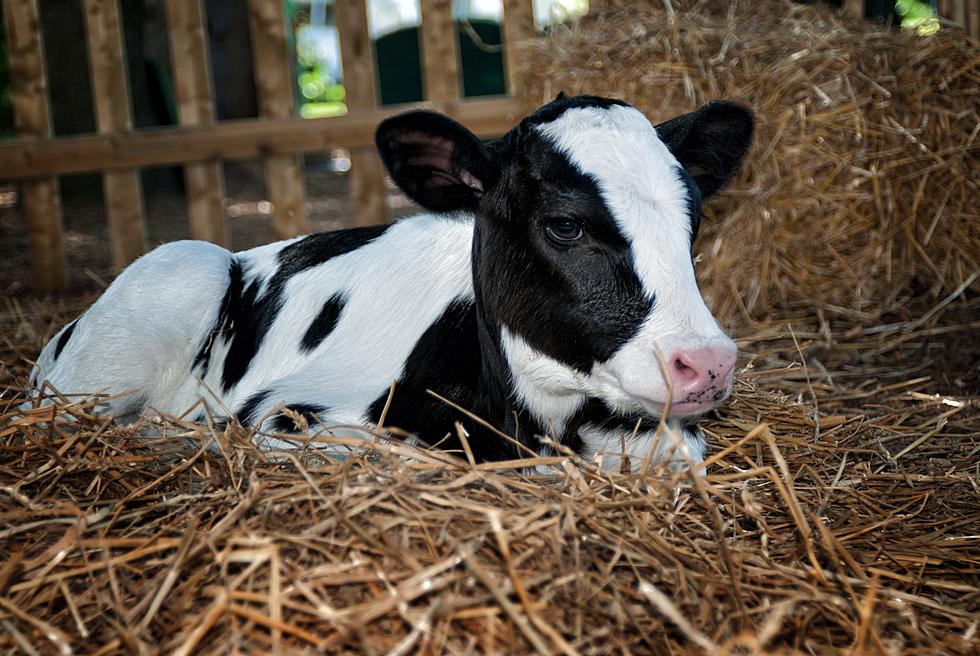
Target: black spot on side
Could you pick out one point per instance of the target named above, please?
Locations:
(63, 340)
(234, 290)
(248, 317)
(283, 423)
(324, 323)
(321, 247)
(246, 413)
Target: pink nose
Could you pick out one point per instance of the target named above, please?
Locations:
(703, 376)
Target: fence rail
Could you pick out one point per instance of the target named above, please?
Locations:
(199, 143)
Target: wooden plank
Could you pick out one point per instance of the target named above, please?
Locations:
(961, 13)
(42, 206)
(973, 18)
(274, 85)
(367, 187)
(440, 51)
(34, 158)
(518, 28)
(191, 69)
(113, 113)
(854, 7)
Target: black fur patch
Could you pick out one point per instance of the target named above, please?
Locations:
(693, 201)
(710, 142)
(324, 323)
(203, 358)
(598, 414)
(282, 423)
(246, 318)
(448, 360)
(63, 340)
(563, 103)
(247, 413)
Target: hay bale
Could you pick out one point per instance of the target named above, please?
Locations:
(860, 194)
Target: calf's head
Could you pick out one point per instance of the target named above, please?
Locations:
(585, 218)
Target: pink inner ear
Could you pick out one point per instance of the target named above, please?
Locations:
(471, 180)
(437, 154)
(432, 152)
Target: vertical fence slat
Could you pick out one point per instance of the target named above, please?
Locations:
(42, 206)
(113, 113)
(357, 55)
(854, 7)
(440, 51)
(195, 105)
(273, 82)
(518, 27)
(973, 19)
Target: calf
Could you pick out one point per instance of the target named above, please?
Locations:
(548, 289)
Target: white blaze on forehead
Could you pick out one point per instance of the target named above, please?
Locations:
(639, 180)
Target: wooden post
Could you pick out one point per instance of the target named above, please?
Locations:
(195, 106)
(854, 7)
(961, 14)
(518, 27)
(274, 84)
(42, 205)
(113, 113)
(972, 24)
(357, 55)
(440, 51)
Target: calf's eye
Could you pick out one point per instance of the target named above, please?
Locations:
(563, 230)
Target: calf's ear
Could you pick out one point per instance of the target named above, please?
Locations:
(710, 142)
(437, 162)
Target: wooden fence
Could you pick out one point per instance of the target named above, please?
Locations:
(199, 142)
(964, 13)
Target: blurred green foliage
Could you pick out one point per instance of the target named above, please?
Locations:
(321, 92)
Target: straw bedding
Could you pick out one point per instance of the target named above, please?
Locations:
(839, 512)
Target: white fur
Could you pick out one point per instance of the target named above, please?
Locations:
(140, 337)
(551, 391)
(143, 333)
(395, 288)
(678, 446)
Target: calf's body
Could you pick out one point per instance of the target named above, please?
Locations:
(545, 291)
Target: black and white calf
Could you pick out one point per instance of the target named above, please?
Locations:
(551, 268)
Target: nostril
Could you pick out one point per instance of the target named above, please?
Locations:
(684, 370)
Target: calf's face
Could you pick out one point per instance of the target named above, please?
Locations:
(582, 248)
